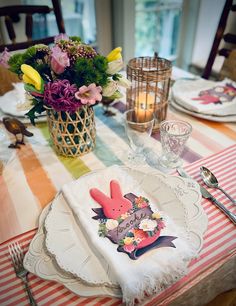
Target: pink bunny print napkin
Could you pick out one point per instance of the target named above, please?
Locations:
(144, 248)
(206, 97)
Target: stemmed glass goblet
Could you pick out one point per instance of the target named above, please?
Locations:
(138, 126)
(174, 134)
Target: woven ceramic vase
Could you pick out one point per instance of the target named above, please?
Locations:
(72, 134)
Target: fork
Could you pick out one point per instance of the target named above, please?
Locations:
(17, 257)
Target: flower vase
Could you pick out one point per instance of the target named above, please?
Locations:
(72, 134)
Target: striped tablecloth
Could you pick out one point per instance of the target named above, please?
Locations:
(33, 175)
(219, 247)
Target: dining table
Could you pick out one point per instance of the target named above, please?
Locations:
(31, 176)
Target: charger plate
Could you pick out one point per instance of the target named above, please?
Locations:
(9, 106)
(177, 106)
(38, 261)
(65, 241)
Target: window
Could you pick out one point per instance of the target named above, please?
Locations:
(157, 25)
(79, 18)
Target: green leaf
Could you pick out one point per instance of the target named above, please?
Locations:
(37, 108)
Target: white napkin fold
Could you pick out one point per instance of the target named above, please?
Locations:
(206, 97)
(153, 271)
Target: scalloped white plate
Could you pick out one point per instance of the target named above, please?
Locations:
(177, 197)
(39, 262)
(229, 118)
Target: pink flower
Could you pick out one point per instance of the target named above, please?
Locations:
(129, 248)
(60, 95)
(5, 58)
(89, 94)
(161, 225)
(59, 60)
(61, 36)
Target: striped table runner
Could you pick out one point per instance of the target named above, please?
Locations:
(219, 247)
(33, 175)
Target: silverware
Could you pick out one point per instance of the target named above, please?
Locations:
(206, 194)
(17, 257)
(211, 181)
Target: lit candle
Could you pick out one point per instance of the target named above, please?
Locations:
(144, 107)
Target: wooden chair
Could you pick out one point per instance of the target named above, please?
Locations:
(219, 36)
(29, 11)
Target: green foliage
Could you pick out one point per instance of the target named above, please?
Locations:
(76, 38)
(121, 242)
(102, 230)
(15, 62)
(38, 108)
(36, 57)
(116, 76)
(89, 71)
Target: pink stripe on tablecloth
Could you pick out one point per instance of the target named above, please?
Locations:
(219, 242)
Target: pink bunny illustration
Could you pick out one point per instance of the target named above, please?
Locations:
(128, 221)
(113, 206)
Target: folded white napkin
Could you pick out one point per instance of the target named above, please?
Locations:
(206, 97)
(10, 101)
(151, 272)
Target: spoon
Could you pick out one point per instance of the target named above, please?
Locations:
(211, 181)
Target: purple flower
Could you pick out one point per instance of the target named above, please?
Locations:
(61, 36)
(89, 94)
(59, 60)
(60, 95)
(4, 58)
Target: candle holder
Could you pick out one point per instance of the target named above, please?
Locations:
(150, 84)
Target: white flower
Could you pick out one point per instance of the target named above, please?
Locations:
(115, 66)
(147, 225)
(110, 88)
(26, 105)
(111, 224)
(124, 82)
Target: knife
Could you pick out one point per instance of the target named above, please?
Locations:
(206, 194)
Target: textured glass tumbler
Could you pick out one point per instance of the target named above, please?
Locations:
(174, 135)
(138, 132)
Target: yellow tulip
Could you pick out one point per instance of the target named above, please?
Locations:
(31, 76)
(115, 54)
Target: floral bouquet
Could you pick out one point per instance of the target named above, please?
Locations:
(66, 80)
(66, 76)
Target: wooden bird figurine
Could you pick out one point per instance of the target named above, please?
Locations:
(15, 127)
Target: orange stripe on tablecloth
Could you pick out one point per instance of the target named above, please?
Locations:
(8, 214)
(206, 141)
(220, 127)
(37, 178)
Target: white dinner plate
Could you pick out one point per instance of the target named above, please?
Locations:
(229, 118)
(178, 198)
(9, 105)
(185, 93)
(39, 262)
